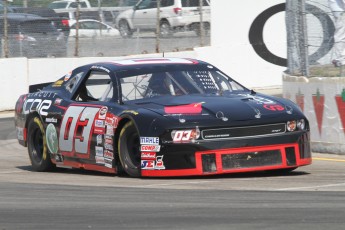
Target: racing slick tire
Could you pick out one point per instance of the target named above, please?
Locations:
(124, 29)
(129, 150)
(37, 146)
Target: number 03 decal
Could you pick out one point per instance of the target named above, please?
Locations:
(76, 129)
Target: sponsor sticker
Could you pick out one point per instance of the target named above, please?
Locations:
(58, 83)
(99, 139)
(99, 123)
(108, 154)
(108, 163)
(110, 130)
(109, 141)
(147, 164)
(103, 112)
(108, 147)
(57, 101)
(149, 140)
(159, 163)
(99, 151)
(99, 160)
(148, 155)
(51, 138)
(51, 120)
(99, 130)
(150, 148)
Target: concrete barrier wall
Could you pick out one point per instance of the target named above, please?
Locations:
(322, 99)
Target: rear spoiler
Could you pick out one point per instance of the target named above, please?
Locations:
(38, 87)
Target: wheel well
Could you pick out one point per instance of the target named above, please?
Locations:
(28, 119)
(164, 20)
(120, 125)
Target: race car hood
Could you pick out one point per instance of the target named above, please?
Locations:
(232, 107)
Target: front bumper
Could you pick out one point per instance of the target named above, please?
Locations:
(232, 160)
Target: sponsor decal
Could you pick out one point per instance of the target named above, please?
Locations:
(159, 163)
(100, 68)
(108, 154)
(149, 140)
(109, 141)
(319, 104)
(39, 105)
(99, 123)
(99, 139)
(99, 130)
(182, 135)
(108, 147)
(148, 155)
(108, 163)
(20, 133)
(99, 151)
(110, 130)
(58, 83)
(67, 76)
(42, 94)
(131, 111)
(273, 107)
(147, 164)
(52, 138)
(51, 120)
(110, 121)
(103, 112)
(195, 108)
(57, 101)
(99, 160)
(150, 148)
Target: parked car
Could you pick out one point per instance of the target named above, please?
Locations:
(174, 16)
(61, 23)
(67, 4)
(156, 117)
(32, 36)
(89, 28)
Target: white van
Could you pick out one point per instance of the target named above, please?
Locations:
(174, 15)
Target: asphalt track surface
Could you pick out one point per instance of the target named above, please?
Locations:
(312, 197)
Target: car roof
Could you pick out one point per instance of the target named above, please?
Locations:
(141, 65)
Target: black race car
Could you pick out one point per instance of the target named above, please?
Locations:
(159, 117)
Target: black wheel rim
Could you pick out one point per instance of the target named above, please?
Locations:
(37, 145)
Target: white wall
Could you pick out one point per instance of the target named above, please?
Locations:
(230, 51)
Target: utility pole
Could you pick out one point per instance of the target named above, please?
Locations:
(202, 30)
(5, 45)
(77, 15)
(158, 28)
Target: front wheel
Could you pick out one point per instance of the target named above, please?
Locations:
(129, 150)
(37, 146)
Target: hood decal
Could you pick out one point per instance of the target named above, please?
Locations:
(194, 108)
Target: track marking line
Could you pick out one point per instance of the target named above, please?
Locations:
(310, 187)
(328, 159)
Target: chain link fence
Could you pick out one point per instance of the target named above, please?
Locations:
(86, 28)
(310, 38)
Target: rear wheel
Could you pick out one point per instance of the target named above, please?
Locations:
(165, 30)
(37, 147)
(125, 30)
(129, 150)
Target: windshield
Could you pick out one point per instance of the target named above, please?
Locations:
(177, 83)
(58, 5)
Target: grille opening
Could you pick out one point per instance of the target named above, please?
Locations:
(209, 163)
(290, 156)
(251, 159)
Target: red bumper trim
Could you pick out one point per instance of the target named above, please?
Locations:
(198, 171)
